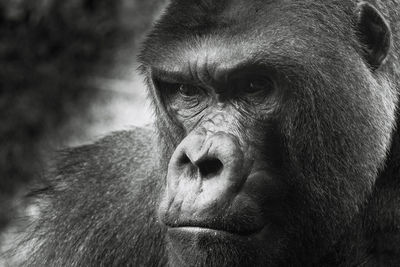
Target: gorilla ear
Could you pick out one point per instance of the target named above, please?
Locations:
(375, 34)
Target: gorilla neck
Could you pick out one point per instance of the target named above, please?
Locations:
(375, 230)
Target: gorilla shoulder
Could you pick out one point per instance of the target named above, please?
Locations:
(118, 153)
(110, 187)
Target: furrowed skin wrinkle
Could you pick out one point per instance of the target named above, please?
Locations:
(275, 144)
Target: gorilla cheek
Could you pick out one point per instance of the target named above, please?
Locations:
(334, 155)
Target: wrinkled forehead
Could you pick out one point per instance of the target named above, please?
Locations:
(237, 28)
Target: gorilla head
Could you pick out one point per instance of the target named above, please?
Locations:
(275, 117)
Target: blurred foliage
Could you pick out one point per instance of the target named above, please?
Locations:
(49, 49)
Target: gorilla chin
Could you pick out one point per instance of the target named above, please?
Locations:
(197, 246)
(221, 236)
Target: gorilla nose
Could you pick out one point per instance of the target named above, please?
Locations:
(217, 156)
(204, 174)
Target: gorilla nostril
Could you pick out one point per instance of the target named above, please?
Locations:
(184, 159)
(210, 167)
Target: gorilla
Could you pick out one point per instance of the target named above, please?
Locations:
(275, 144)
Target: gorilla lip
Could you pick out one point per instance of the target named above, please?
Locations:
(203, 231)
(213, 227)
(210, 232)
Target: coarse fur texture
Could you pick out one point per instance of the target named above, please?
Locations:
(329, 140)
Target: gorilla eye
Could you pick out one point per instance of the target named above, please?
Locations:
(177, 91)
(187, 90)
(255, 85)
(181, 96)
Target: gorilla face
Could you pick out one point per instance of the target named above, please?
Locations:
(275, 123)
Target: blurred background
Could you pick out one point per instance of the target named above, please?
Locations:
(67, 77)
(121, 96)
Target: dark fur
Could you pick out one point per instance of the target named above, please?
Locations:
(99, 208)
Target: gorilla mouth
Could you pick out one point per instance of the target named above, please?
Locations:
(212, 231)
(216, 226)
(194, 232)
